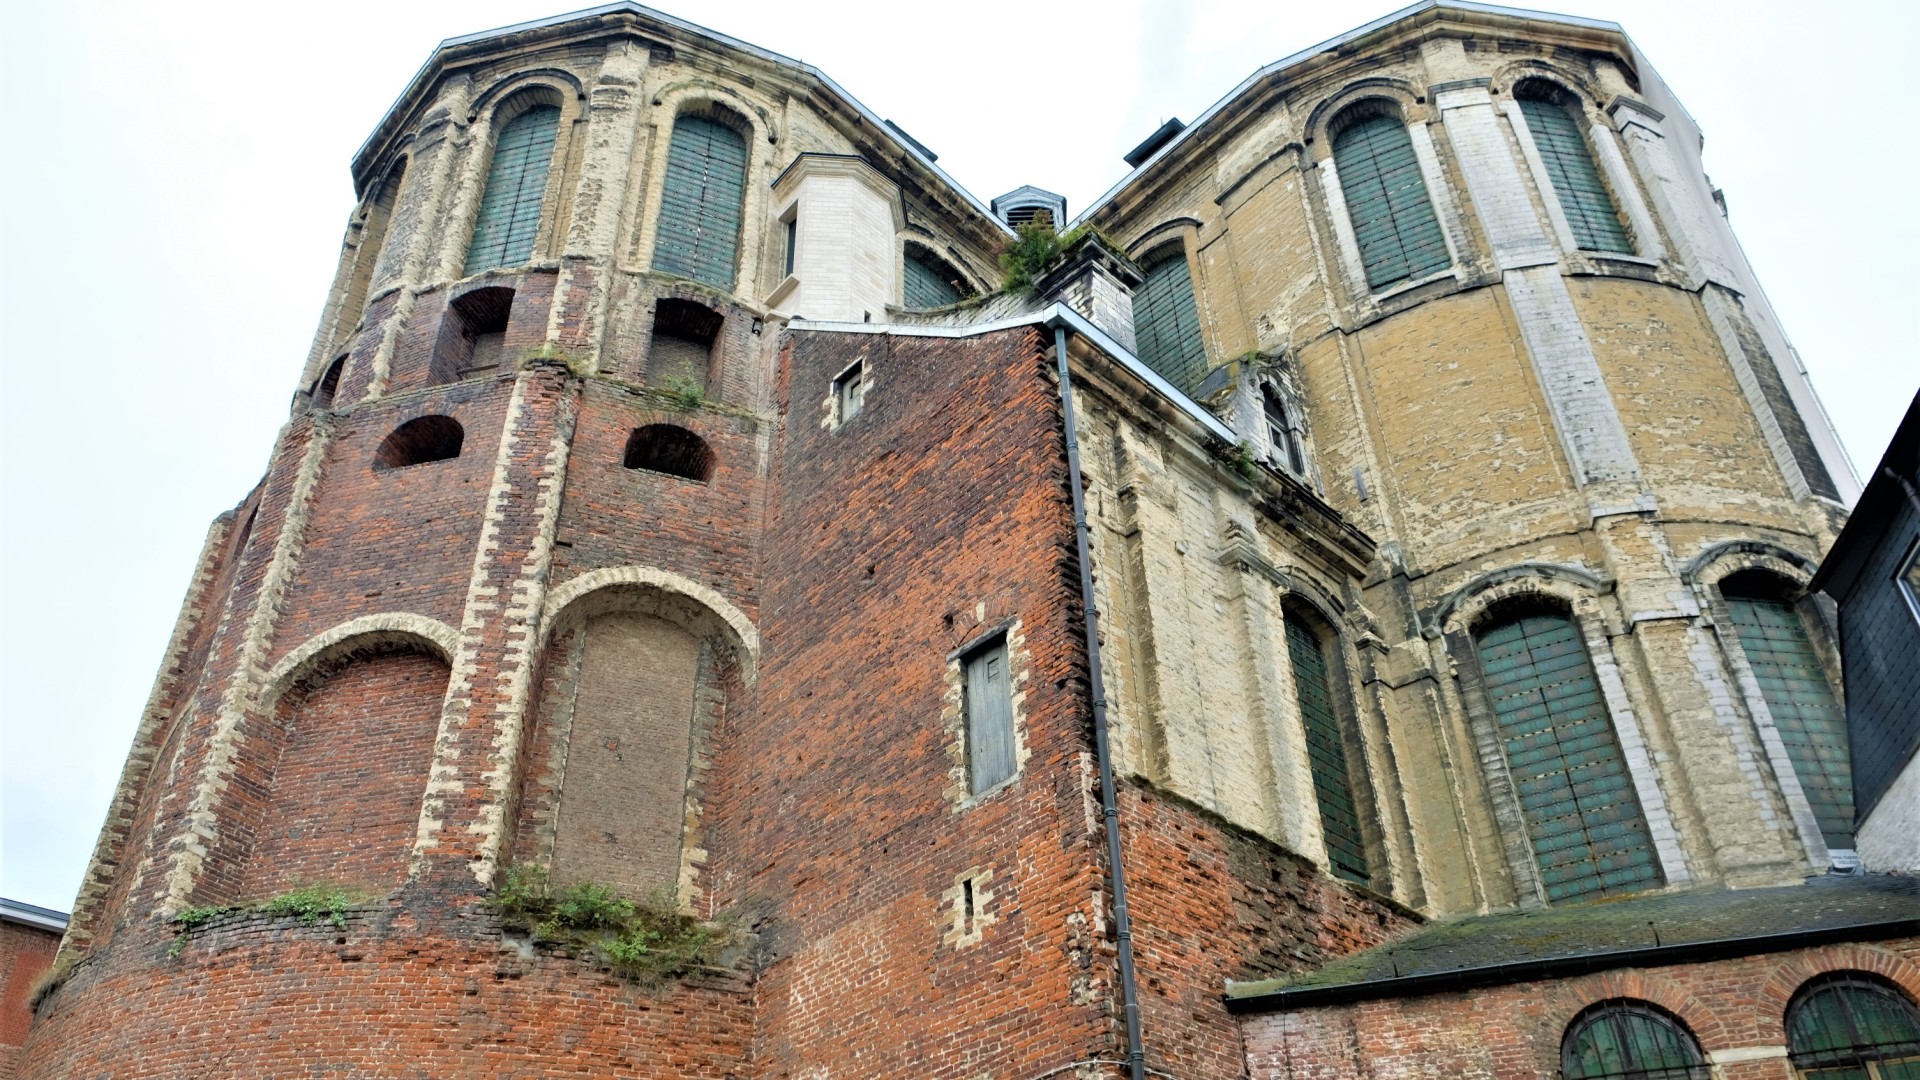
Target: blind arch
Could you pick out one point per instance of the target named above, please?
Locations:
(1583, 196)
(698, 232)
(509, 217)
(1576, 795)
(1166, 323)
(1387, 202)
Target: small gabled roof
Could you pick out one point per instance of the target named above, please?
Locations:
(459, 48)
(1340, 43)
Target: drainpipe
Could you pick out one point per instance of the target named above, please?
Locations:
(1122, 921)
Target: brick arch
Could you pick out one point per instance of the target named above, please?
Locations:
(1793, 972)
(1582, 89)
(1575, 586)
(388, 629)
(1401, 94)
(697, 606)
(1708, 1029)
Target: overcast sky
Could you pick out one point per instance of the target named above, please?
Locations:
(177, 184)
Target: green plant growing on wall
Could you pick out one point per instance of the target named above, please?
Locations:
(309, 903)
(643, 941)
(685, 390)
(1242, 461)
(1034, 246)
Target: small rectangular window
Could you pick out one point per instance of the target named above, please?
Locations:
(989, 709)
(1280, 434)
(793, 238)
(850, 392)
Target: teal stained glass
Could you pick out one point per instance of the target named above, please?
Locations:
(1326, 752)
(1166, 324)
(700, 206)
(1583, 197)
(1811, 724)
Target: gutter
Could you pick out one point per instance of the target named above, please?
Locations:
(1441, 982)
(1109, 809)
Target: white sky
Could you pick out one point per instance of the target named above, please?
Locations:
(178, 182)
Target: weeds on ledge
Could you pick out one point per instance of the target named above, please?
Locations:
(309, 903)
(643, 941)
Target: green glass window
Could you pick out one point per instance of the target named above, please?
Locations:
(509, 218)
(1582, 815)
(1166, 324)
(1326, 751)
(1850, 1027)
(930, 283)
(1794, 685)
(1629, 1041)
(1583, 197)
(700, 206)
(1387, 202)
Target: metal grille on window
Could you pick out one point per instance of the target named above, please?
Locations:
(1326, 752)
(1583, 196)
(509, 217)
(929, 284)
(1811, 723)
(1627, 1041)
(1582, 816)
(700, 205)
(989, 707)
(1393, 219)
(1848, 1027)
(1166, 324)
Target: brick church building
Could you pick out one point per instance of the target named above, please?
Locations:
(1337, 609)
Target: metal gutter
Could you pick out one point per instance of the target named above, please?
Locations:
(1047, 316)
(1330, 45)
(32, 915)
(1440, 982)
(872, 118)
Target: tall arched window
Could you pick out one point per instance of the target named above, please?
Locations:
(1629, 1040)
(1166, 324)
(1852, 1027)
(700, 205)
(930, 282)
(1812, 725)
(509, 218)
(1314, 689)
(1555, 127)
(1393, 220)
(1583, 818)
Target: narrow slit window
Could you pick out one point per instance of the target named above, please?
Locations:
(509, 218)
(1582, 815)
(1326, 751)
(1811, 723)
(989, 709)
(1583, 196)
(793, 240)
(700, 206)
(1166, 323)
(1393, 220)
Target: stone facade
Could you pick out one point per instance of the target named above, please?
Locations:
(574, 565)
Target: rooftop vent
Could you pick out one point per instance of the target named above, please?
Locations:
(1028, 205)
(1161, 136)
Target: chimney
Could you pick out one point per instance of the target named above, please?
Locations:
(1096, 280)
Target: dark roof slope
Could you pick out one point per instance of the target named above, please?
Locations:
(1665, 928)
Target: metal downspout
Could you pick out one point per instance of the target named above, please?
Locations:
(1116, 872)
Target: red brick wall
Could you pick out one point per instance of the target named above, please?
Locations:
(344, 794)
(257, 997)
(1514, 1032)
(25, 952)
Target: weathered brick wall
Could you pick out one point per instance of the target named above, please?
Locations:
(1734, 1008)
(25, 952)
(1212, 902)
(258, 996)
(935, 515)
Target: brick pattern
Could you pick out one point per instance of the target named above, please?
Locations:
(25, 952)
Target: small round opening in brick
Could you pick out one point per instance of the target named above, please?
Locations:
(419, 441)
(671, 450)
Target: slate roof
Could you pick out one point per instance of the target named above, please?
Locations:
(1666, 928)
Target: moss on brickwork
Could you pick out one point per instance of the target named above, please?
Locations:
(643, 941)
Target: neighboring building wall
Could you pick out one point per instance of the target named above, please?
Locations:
(29, 937)
(1736, 1009)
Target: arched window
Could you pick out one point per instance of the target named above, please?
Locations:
(473, 335)
(1583, 818)
(1314, 689)
(509, 218)
(1166, 324)
(699, 229)
(1283, 430)
(671, 450)
(419, 441)
(1851, 1027)
(1555, 127)
(930, 282)
(1629, 1040)
(1393, 220)
(1812, 726)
